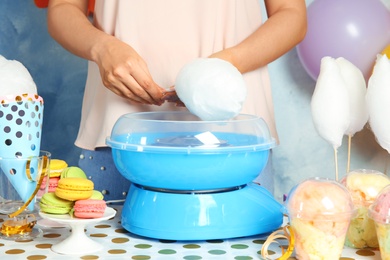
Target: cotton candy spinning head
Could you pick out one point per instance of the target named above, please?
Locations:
(212, 89)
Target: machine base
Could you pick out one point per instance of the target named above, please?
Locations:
(248, 211)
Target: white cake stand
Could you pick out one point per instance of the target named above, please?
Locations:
(78, 242)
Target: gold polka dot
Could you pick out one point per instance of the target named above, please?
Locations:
(103, 226)
(141, 257)
(346, 258)
(23, 241)
(191, 246)
(14, 251)
(365, 252)
(121, 230)
(215, 241)
(1, 244)
(120, 240)
(52, 235)
(165, 241)
(89, 257)
(259, 241)
(98, 235)
(36, 257)
(43, 246)
(117, 251)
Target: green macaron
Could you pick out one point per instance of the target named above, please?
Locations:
(73, 172)
(97, 195)
(52, 204)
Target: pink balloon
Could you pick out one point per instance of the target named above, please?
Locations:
(356, 30)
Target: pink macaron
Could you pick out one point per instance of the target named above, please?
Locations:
(89, 208)
(53, 183)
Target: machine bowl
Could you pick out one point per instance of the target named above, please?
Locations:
(178, 151)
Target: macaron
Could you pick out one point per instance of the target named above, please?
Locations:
(53, 183)
(97, 195)
(56, 167)
(89, 208)
(74, 189)
(51, 204)
(73, 172)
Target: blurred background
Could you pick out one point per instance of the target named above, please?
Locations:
(302, 153)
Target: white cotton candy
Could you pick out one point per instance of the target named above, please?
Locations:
(211, 88)
(378, 101)
(329, 104)
(356, 86)
(15, 78)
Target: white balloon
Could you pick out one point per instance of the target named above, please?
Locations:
(378, 101)
(356, 86)
(211, 88)
(15, 78)
(330, 103)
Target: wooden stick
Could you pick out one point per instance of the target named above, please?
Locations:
(336, 164)
(349, 153)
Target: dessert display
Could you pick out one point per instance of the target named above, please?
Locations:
(67, 186)
(379, 211)
(363, 185)
(320, 211)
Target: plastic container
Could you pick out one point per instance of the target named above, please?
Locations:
(379, 211)
(319, 211)
(363, 185)
(178, 151)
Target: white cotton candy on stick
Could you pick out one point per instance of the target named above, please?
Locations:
(15, 78)
(211, 88)
(378, 101)
(329, 104)
(356, 86)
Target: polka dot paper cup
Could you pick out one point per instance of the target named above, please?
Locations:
(20, 126)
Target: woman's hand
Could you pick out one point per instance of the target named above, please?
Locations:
(126, 74)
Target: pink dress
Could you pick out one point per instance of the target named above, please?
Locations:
(168, 34)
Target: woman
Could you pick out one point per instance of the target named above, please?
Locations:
(136, 48)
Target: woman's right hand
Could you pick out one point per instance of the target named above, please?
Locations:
(125, 73)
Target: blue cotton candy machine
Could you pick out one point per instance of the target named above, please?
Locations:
(192, 179)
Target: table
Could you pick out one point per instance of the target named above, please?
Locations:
(120, 244)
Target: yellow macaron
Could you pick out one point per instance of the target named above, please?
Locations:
(56, 167)
(74, 189)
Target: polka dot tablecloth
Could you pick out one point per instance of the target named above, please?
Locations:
(120, 244)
